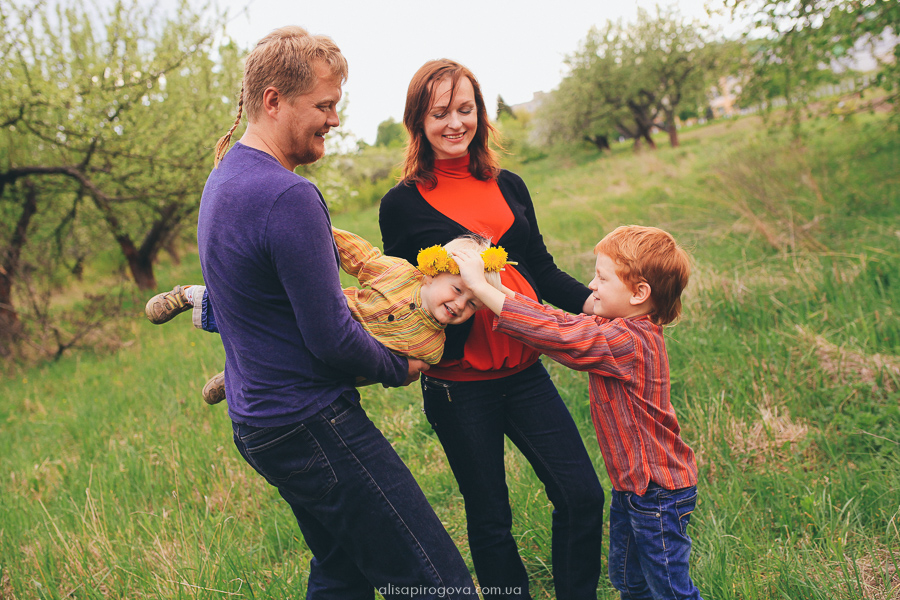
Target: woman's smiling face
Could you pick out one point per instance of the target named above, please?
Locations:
(450, 125)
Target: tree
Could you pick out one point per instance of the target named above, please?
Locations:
(504, 109)
(110, 119)
(390, 134)
(589, 104)
(622, 78)
(797, 45)
(674, 60)
(108, 122)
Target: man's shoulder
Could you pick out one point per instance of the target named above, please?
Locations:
(250, 172)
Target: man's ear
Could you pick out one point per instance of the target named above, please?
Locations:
(271, 101)
(640, 294)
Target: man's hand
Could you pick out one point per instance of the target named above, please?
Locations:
(416, 366)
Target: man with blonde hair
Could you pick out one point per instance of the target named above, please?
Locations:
(293, 350)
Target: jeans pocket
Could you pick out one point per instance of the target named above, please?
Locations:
(647, 505)
(435, 389)
(291, 459)
(684, 507)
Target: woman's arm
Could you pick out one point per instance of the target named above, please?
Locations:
(392, 219)
(555, 285)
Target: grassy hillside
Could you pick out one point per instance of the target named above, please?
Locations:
(119, 482)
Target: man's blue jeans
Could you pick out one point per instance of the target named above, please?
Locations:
(361, 512)
(471, 419)
(649, 546)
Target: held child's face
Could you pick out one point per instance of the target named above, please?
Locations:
(448, 299)
(614, 299)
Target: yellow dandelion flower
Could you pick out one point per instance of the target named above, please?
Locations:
(429, 260)
(494, 259)
(444, 261)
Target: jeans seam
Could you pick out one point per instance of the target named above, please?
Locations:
(662, 531)
(371, 479)
(562, 491)
(625, 567)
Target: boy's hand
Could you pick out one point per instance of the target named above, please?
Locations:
(471, 268)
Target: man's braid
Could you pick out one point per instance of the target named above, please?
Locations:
(225, 140)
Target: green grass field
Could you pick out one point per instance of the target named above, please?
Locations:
(117, 481)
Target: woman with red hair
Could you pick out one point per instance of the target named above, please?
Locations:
(489, 386)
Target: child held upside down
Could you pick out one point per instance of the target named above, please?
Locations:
(403, 307)
(639, 276)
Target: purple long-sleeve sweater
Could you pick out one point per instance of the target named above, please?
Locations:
(271, 267)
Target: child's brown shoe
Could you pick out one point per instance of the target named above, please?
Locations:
(214, 390)
(162, 308)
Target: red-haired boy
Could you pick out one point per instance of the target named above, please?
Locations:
(639, 277)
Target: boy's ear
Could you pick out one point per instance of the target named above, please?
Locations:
(640, 294)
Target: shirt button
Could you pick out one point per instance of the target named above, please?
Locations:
(390, 318)
(412, 306)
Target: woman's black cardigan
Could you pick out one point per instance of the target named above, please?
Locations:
(409, 224)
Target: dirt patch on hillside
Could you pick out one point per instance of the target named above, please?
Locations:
(845, 366)
(771, 440)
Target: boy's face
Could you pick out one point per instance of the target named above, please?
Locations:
(448, 299)
(612, 297)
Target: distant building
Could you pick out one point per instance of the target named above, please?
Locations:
(532, 105)
(723, 97)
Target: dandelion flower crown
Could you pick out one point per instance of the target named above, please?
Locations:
(436, 259)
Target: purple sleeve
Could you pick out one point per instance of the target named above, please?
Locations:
(300, 242)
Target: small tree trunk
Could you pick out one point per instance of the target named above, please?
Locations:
(142, 272)
(140, 265)
(672, 129)
(10, 327)
(172, 251)
(673, 137)
(600, 141)
(646, 134)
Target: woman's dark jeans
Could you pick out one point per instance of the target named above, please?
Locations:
(471, 419)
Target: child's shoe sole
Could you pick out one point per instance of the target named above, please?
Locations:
(162, 308)
(214, 390)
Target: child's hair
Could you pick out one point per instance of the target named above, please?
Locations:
(473, 241)
(650, 255)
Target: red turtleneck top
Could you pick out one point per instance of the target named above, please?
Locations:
(481, 208)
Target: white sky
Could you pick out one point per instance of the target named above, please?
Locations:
(514, 48)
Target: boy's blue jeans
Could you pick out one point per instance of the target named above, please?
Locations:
(649, 546)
